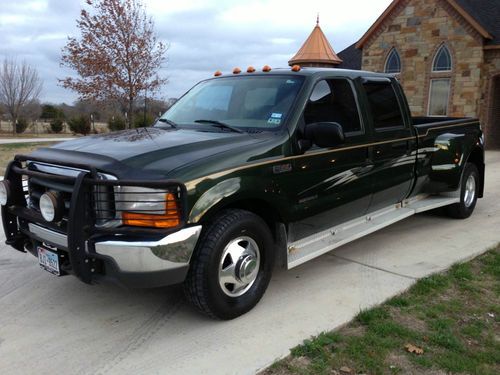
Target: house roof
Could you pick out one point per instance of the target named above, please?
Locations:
(351, 58)
(482, 15)
(486, 13)
(316, 49)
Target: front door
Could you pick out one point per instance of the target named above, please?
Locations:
(331, 185)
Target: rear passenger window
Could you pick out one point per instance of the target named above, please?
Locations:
(384, 105)
(333, 101)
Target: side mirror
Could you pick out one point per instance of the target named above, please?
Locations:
(324, 134)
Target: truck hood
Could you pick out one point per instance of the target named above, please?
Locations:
(157, 148)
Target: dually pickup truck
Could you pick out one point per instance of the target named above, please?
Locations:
(245, 171)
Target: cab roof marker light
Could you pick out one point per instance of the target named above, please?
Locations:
(217, 73)
(266, 68)
(250, 69)
(296, 68)
(236, 71)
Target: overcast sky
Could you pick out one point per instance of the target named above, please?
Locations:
(204, 36)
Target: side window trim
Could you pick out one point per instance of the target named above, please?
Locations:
(362, 131)
(388, 81)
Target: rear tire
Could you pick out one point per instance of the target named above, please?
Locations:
(468, 194)
(231, 266)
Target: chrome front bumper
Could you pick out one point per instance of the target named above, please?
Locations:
(172, 252)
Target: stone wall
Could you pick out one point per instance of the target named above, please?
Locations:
(417, 28)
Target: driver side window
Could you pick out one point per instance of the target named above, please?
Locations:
(333, 101)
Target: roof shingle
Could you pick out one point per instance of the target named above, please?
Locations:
(351, 58)
(486, 13)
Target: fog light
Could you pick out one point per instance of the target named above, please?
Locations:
(51, 207)
(4, 192)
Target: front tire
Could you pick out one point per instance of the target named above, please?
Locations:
(468, 194)
(231, 266)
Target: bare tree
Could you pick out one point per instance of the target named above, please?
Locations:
(118, 54)
(19, 85)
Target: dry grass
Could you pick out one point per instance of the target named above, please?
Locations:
(8, 151)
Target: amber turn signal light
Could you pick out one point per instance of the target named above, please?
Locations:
(236, 71)
(170, 219)
(217, 73)
(266, 68)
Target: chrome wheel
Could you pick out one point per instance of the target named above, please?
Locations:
(239, 266)
(470, 191)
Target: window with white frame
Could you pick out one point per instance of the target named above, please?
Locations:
(439, 96)
(440, 82)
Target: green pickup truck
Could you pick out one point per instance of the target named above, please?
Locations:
(246, 171)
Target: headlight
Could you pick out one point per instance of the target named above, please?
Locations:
(4, 192)
(51, 206)
(147, 207)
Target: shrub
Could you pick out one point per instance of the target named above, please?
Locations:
(140, 123)
(21, 125)
(116, 123)
(56, 125)
(79, 125)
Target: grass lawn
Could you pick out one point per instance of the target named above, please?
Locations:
(454, 317)
(8, 151)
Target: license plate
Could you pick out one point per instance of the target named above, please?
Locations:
(48, 260)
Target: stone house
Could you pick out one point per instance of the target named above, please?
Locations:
(446, 54)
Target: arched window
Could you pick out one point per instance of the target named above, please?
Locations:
(393, 62)
(440, 83)
(442, 60)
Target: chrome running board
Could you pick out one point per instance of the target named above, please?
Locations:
(322, 242)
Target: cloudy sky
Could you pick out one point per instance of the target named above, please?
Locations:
(204, 36)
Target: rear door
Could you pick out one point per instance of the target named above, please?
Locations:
(393, 143)
(331, 185)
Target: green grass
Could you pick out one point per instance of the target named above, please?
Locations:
(453, 316)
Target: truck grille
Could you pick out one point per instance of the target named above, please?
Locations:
(102, 198)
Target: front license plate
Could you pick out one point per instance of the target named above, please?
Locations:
(48, 260)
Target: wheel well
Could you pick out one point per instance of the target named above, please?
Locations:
(476, 157)
(261, 208)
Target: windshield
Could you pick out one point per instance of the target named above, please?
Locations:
(259, 102)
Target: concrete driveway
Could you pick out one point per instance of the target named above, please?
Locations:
(58, 325)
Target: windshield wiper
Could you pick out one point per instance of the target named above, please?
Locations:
(169, 122)
(219, 124)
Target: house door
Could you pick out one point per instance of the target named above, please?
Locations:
(493, 126)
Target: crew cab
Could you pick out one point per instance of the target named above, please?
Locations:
(244, 172)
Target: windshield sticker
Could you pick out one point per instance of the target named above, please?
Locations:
(274, 121)
(276, 115)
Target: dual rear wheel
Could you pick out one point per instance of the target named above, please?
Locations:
(469, 190)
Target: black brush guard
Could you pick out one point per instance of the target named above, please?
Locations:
(81, 229)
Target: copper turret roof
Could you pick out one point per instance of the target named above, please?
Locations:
(316, 50)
